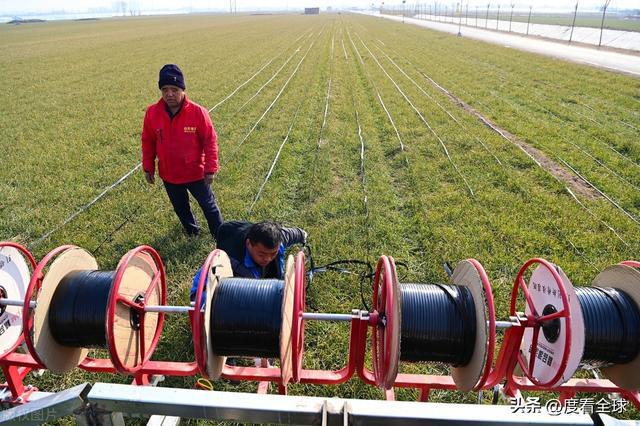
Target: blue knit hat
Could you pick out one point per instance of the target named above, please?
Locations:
(171, 74)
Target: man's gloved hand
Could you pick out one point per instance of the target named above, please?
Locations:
(304, 239)
(150, 177)
(208, 178)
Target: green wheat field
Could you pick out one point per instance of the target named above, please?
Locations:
(372, 129)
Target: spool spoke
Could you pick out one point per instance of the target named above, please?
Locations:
(527, 296)
(133, 305)
(152, 286)
(382, 327)
(555, 315)
(141, 339)
(534, 349)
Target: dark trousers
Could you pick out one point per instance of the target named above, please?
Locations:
(203, 194)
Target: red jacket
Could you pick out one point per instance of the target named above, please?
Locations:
(186, 146)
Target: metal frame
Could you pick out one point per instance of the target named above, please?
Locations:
(108, 403)
(16, 366)
(48, 408)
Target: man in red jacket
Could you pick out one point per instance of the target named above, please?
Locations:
(179, 133)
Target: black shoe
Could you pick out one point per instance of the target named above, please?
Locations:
(191, 233)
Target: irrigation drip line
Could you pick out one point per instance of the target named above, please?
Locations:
(384, 107)
(344, 50)
(275, 160)
(411, 181)
(233, 154)
(86, 206)
(555, 87)
(554, 176)
(444, 90)
(355, 48)
(605, 143)
(426, 123)
(286, 138)
(593, 120)
(594, 216)
(582, 177)
(326, 105)
(589, 135)
(571, 193)
(485, 121)
(630, 125)
(213, 108)
(130, 172)
(451, 96)
(393, 124)
(117, 228)
(326, 111)
(585, 152)
(362, 171)
(482, 119)
(268, 81)
(364, 192)
(516, 108)
(324, 119)
(363, 181)
(584, 104)
(458, 122)
(612, 201)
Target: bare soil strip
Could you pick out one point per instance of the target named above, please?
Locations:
(578, 185)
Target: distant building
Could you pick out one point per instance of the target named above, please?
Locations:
(311, 10)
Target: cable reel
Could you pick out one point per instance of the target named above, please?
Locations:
(15, 264)
(398, 337)
(220, 332)
(567, 326)
(124, 325)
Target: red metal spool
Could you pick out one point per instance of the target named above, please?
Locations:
(385, 336)
(27, 254)
(491, 314)
(535, 320)
(297, 329)
(197, 324)
(158, 281)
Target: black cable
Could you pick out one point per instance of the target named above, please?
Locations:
(109, 237)
(447, 268)
(438, 323)
(78, 309)
(403, 265)
(611, 325)
(363, 276)
(246, 317)
(309, 257)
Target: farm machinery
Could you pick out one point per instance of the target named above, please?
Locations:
(54, 311)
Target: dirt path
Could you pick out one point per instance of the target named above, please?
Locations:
(577, 185)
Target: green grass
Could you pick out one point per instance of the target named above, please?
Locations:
(71, 127)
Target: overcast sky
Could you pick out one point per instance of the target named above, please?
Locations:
(25, 6)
